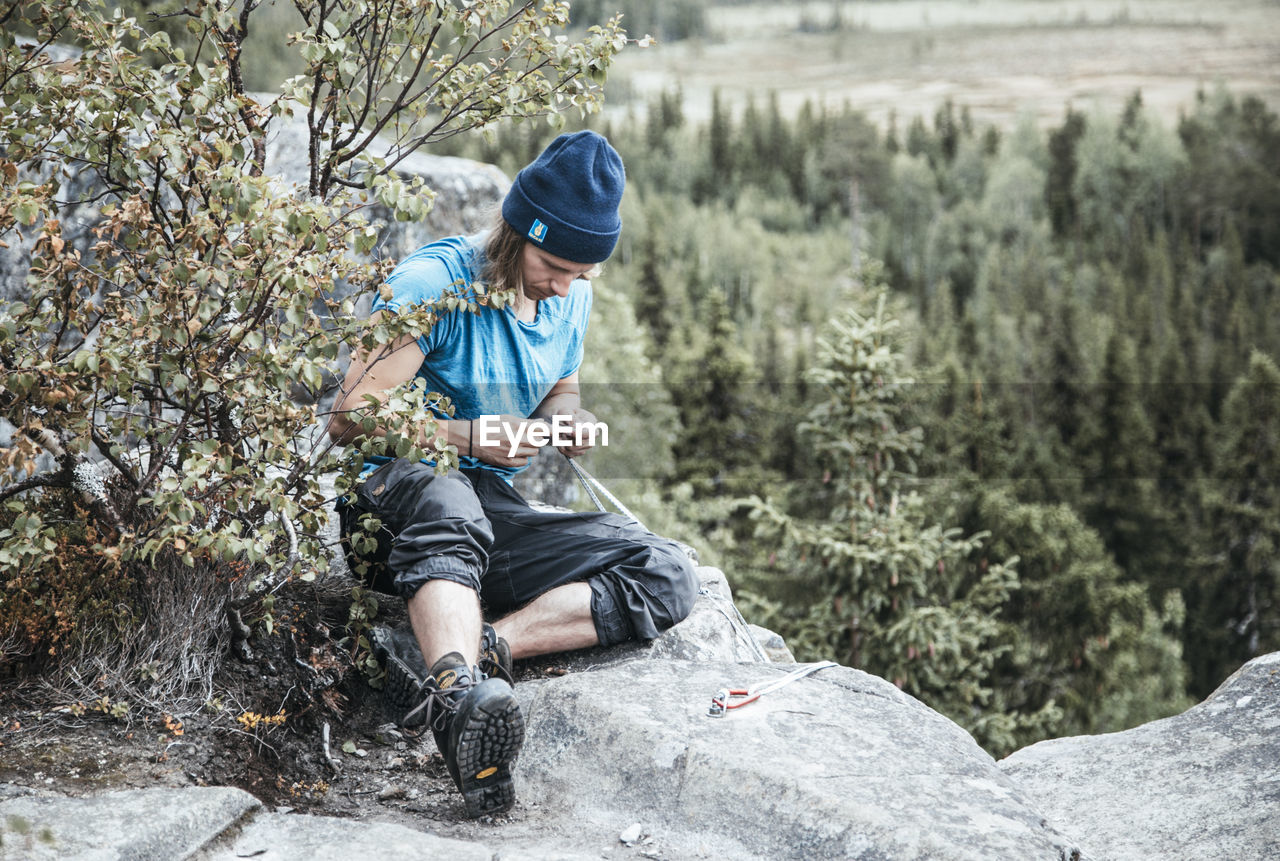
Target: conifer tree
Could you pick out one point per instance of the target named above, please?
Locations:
(966, 177)
(1120, 463)
(1082, 641)
(1182, 426)
(652, 303)
(891, 142)
(1238, 602)
(1099, 188)
(914, 204)
(847, 151)
(919, 142)
(969, 427)
(750, 142)
(709, 388)
(1011, 198)
(779, 401)
(782, 160)
(887, 588)
(1158, 289)
(720, 136)
(1066, 402)
(947, 128)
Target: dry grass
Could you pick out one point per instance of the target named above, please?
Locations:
(1001, 58)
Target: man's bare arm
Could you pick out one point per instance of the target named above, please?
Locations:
(565, 399)
(380, 372)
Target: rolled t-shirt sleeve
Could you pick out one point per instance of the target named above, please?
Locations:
(422, 281)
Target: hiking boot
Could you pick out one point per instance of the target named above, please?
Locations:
(398, 651)
(478, 729)
(495, 655)
(405, 668)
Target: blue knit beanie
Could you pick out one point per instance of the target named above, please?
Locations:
(566, 201)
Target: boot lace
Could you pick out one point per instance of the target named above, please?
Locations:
(437, 707)
(489, 665)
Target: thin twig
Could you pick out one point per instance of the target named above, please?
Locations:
(42, 480)
(293, 543)
(328, 755)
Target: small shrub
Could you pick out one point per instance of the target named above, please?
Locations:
(163, 373)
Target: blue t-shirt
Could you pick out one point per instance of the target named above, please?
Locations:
(488, 362)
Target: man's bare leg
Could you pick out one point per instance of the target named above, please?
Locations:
(482, 728)
(556, 621)
(446, 618)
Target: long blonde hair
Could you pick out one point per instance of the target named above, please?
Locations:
(502, 254)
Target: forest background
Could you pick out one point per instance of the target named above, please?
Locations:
(968, 316)
(1037, 484)
(961, 363)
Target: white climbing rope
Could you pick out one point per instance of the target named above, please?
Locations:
(589, 482)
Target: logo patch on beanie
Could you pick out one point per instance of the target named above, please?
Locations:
(538, 232)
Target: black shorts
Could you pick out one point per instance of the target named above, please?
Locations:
(471, 527)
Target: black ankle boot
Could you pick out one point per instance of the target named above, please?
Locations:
(478, 729)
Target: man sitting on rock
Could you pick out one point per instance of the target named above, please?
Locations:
(465, 545)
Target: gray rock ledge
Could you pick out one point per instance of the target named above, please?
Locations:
(1200, 786)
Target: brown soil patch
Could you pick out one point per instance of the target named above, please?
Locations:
(381, 773)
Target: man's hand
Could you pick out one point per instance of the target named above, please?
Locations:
(503, 440)
(581, 443)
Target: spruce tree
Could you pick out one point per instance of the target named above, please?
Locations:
(947, 129)
(846, 149)
(1061, 405)
(720, 135)
(709, 388)
(751, 144)
(1087, 652)
(1238, 601)
(782, 160)
(886, 588)
(652, 302)
(1182, 426)
(914, 203)
(1118, 453)
(920, 142)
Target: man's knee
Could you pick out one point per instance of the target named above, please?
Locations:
(675, 572)
(422, 496)
(640, 601)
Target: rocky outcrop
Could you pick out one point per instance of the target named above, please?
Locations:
(837, 764)
(210, 822)
(840, 764)
(622, 760)
(1204, 784)
(40, 827)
